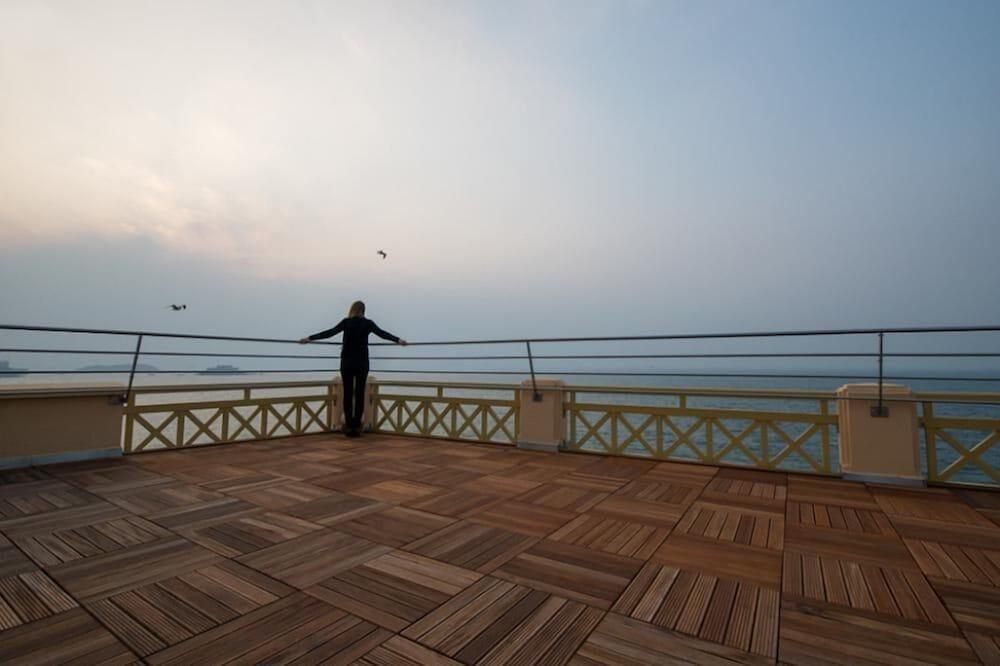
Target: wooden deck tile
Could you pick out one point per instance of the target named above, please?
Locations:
(830, 491)
(109, 477)
(589, 576)
(530, 519)
(566, 498)
(747, 488)
(61, 519)
(734, 613)
(616, 467)
(604, 484)
(496, 622)
(484, 465)
(529, 472)
(682, 473)
(446, 477)
(36, 497)
(845, 518)
(394, 526)
(649, 489)
(397, 491)
(494, 484)
(282, 494)
(459, 503)
(657, 514)
(815, 633)
(761, 566)
(70, 637)
(612, 535)
(619, 640)
(246, 532)
(746, 527)
(986, 502)
(928, 503)
(75, 543)
(308, 559)
(30, 596)
(334, 508)
(298, 626)
(956, 561)
(974, 607)
(101, 576)
(395, 589)
(153, 617)
(477, 547)
(351, 479)
(244, 484)
(399, 468)
(162, 497)
(12, 560)
(891, 592)
(398, 651)
(328, 455)
(881, 550)
(205, 474)
(200, 515)
(299, 470)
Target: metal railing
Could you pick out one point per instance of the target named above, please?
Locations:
(658, 422)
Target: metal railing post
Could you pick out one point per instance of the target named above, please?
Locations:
(131, 374)
(880, 410)
(535, 395)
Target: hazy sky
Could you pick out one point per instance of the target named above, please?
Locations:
(536, 168)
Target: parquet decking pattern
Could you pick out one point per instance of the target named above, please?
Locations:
(397, 550)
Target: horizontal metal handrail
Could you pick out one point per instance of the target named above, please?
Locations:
(508, 357)
(541, 340)
(881, 355)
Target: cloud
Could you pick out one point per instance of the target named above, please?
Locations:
(292, 142)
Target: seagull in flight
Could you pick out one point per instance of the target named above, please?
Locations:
(382, 254)
(177, 308)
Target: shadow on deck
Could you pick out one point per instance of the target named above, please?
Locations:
(393, 550)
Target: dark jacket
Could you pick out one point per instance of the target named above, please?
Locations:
(354, 352)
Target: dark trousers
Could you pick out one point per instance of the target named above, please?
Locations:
(354, 396)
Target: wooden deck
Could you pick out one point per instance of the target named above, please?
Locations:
(393, 550)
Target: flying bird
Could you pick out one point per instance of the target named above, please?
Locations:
(382, 254)
(177, 308)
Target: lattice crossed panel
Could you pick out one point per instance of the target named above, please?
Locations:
(711, 439)
(207, 424)
(967, 455)
(450, 418)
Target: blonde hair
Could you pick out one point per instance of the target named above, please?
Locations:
(357, 309)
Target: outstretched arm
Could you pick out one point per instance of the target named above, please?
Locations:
(386, 335)
(328, 333)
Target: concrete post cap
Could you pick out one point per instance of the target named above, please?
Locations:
(543, 381)
(870, 390)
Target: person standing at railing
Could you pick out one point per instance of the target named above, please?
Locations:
(354, 363)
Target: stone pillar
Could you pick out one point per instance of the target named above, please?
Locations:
(41, 425)
(884, 449)
(337, 419)
(542, 423)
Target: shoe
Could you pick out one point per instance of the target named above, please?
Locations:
(351, 432)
